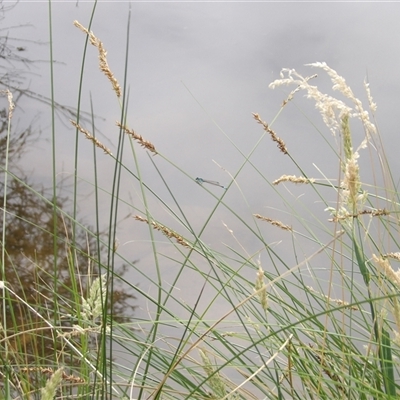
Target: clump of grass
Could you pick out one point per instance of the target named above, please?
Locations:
(308, 324)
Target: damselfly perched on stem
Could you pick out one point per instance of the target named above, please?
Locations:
(200, 181)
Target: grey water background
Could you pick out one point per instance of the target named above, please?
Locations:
(196, 73)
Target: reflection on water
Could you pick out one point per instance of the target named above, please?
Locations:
(47, 278)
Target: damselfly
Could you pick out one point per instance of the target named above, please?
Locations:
(200, 181)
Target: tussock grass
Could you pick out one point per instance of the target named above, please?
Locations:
(322, 322)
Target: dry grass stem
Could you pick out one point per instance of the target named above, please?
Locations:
(50, 371)
(396, 314)
(77, 330)
(163, 229)
(339, 83)
(103, 64)
(330, 108)
(91, 138)
(372, 104)
(293, 92)
(395, 256)
(11, 104)
(336, 301)
(274, 222)
(347, 140)
(274, 136)
(384, 265)
(351, 184)
(148, 145)
(346, 215)
(293, 179)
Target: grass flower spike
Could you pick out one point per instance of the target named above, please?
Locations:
(103, 63)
